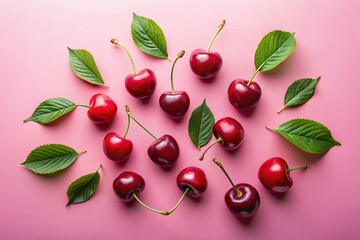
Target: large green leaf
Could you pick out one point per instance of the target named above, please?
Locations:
(200, 125)
(50, 110)
(83, 64)
(310, 136)
(83, 188)
(273, 49)
(148, 36)
(50, 158)
(299, 92)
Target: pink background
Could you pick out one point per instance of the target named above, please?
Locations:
(324, 201)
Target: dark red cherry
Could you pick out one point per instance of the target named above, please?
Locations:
(242, 96)
(174, 104)
(245, 204)
(193, 178)
(128, 183)
(116, 147)
(164, 151)
(102, 109)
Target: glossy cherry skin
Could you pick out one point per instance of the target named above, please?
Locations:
(246, 205)
(164, 152)
(175, 104)
(193, 178)
(205, 64)
(230, 131)
(242, 96)
(116, 147)
(102, 109)
(274, 176)
(126, 184)
(141, 85)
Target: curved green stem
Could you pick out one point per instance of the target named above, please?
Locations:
(116, 42)
(82, 105)
(252, 77)
(128, 126)
(217, 162)
(213, 144)
(127, 109)
(149, 208)
(297, 168)
(180, 200)
(216, 33)
(180, 54)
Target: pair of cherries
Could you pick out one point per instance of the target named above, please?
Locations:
(242, 94)
(142, 85)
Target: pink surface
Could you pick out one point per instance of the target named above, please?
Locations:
(324, 201)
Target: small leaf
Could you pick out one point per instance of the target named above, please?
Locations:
(299, 92)
(50, 158)
(310, 136)
(200, 125)
(84, 66)
(148, 36)
(83, 188)
(50, 110)
(273, 49)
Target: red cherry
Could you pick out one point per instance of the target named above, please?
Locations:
(127, 184)
(102, 109)
(230, 131)
(164, 151)
(117, 148)
(142, 84)
(244, 205)
(206, 64)
(274, 174)
(229, 134)
(242, 200)
(193, 178)
(174, 103)
(243, 96)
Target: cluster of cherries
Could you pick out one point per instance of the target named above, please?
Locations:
(242, 199)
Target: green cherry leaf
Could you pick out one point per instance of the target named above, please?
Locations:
(308, 135)
(274, 48)
(50, 158)
(299, 92)
(200, 125)
(148, 36)
(83, 188)
(83, 65)
(50, 110)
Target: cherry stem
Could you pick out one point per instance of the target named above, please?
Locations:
(297, 168)
(97, 170)
(281, 109)
(149, 208)
(180, 200)
(116, 42)
(217, 162)
(216, 33)
(127, 109)
(180, 55)
(82, 152)
(83, 105)
(271, 129)
(252, 77)
(213, 144)
(128, 126)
